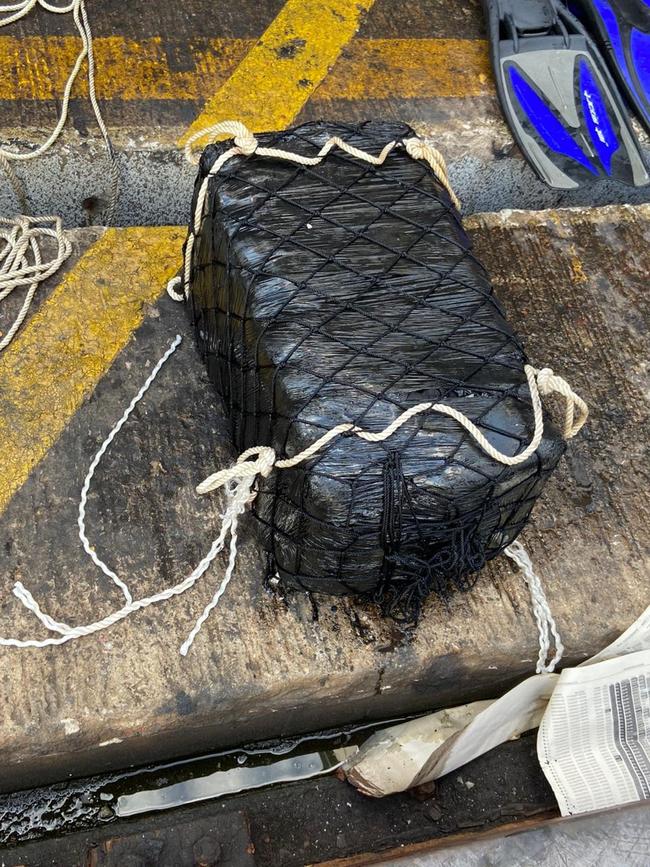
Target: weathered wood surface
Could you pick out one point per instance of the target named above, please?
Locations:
(575, 285)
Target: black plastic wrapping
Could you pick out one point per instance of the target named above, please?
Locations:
(348, 292)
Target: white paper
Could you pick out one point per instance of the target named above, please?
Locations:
(635, 638)
(424, 749)
(392, 758)
(506, 718)
(594, 739)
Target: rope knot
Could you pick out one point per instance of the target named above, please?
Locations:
(417, 148)
(246, 142)
(576, 410)
(545, 381)
(258, 460)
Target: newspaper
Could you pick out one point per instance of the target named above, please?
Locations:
(636, 637)
(421, 750)
(594, 739)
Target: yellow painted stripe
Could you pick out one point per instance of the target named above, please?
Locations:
(69, 344)
(285, 66)
(36, 68)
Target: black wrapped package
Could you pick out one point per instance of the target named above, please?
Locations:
(347, 291)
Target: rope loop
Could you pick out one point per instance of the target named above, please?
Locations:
(24, 260)
(173, 286)
(238, 481)
(418, 149)
(255, 461)
(550, 383)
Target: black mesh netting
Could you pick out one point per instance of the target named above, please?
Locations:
(348, 292)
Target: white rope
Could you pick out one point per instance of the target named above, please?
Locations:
(81, 519)
(16, 185)
(24, 263)
(576, 410)
(10, 13)
(545, 622)
(237, 501)
(245, 144)
(265, 458)
(239, 479)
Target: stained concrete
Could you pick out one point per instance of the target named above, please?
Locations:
(485, 169)
(575, 286)
(461, 115)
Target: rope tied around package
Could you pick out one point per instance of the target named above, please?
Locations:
(245, 144)
(24, 261)
(239, 480)
(239, 484)
(539, 382)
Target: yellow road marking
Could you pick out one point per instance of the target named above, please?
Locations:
(36, 68)
(285, 66)
(69, 344)
(72, 340)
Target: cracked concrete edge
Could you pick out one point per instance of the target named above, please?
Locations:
(72, 180)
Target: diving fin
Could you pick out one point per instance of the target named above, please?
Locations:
(558, 96)
(622, 28)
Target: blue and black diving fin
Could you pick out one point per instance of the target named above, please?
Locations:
(558, 96)
(622, 30)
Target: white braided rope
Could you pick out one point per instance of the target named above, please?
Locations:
(238, 481)
(16, 184)
(24, 263)
(237, 500)
(10, 13)
(245, 144)
(545, 622)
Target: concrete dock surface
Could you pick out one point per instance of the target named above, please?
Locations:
(574, 286)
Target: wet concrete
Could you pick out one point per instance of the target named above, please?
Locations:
(314, 821)
(574, 284)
